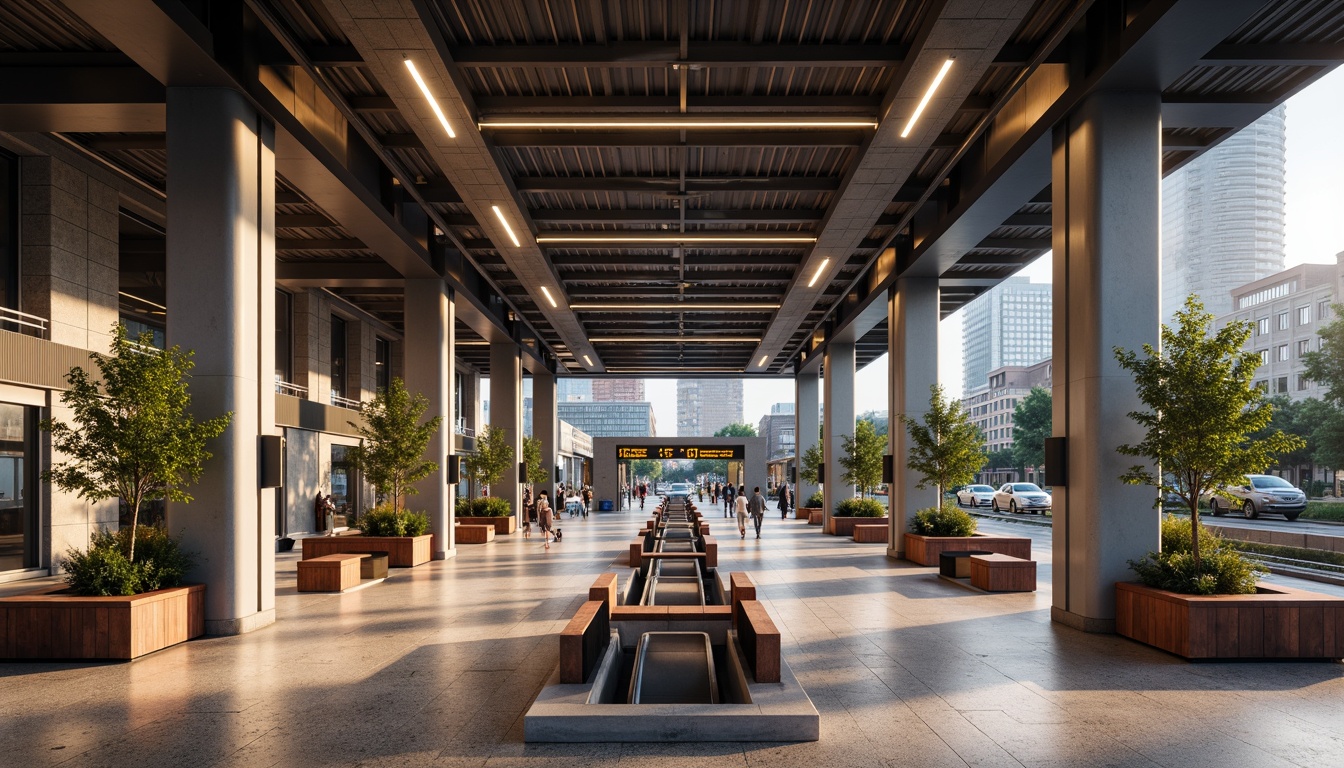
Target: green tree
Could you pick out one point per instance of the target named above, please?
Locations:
(1326, 366)
(863, 457)
(536, 473)
(737, 429)
(877, 419)
(1033, 422)
(947, 444)
(392, 452)
(132, 435)
(809, 468)
(1201, 411)
(1004, 458)
(649, 468)
(492, 457)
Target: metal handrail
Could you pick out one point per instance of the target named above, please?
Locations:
(344, 402)
(23, 320)
(283, 387)
(462, 429)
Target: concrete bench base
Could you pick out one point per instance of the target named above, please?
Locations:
(870, 533)
(475, 534)
(329, 573)
(1003, 573)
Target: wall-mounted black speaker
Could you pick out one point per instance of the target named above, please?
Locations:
(558, 475)
(522, 471)
(454, 465)
(793, 475)
(1056, 461)
(272, 449)
(888, 468)
(821, 473)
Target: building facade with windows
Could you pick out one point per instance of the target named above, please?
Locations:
(1286, 310)
(617, 390)
(610, 419)
(777, 427)
(1007, 326)
(991, 408)
(705, 406)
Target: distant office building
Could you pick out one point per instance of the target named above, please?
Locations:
(777, 428)
(1009, 325)
(570, 390)
(1223, 217)
(991, 407)
(705, 406)
(610, 419)
(1286, 310)
(618, 390)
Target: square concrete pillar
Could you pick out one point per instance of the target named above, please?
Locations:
(912, 364)
(430, 342)
(506, 412)
(838, 372)
(807, 427)
(545, 425)
(221, 305)
(1107, 168)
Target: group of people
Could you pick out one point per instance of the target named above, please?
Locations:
(540, 513)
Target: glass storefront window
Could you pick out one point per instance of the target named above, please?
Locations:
(18, 511)
(344, 486)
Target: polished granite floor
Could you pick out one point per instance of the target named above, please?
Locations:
(436, 666)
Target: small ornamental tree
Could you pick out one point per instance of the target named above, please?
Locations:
(536, 473)
(809, 468)
(863, 457)
(737, 429)
(1201, 411)
(1033, 422)
(492, 457)
(947, 444)
(392, 452)
(132, 435)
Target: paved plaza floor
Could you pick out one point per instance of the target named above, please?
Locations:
(436, 666)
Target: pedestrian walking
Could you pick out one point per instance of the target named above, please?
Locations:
(756, 507)
(740, 505)
(587, 497)
(545, 518)
(784, 501)
(727, 500)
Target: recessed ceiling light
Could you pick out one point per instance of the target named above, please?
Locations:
(433, 102)
(588, 360)
(820, 268)
(924, 102)
(674, 307)
(762, 360)
(655, 339)
(684, 123)
(549, 297)
(500, 215)
(615, 237)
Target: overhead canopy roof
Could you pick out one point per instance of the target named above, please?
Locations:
(708, 187)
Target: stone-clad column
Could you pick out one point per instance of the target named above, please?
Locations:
(506, 412)
(221, 304)
(545, 425)
(838, 400)
(428, 364)
(912, 364)
(807, 426)
(1107, 168)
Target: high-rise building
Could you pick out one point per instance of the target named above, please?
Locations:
(618, 390)
(571, 390)
(777, 427)
(704, 406)
(610, 419)
(1008, 325)
(1223, 218)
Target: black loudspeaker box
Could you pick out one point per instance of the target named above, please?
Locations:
(272, 448)
(1056, 462)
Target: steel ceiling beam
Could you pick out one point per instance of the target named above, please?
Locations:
(673, 215)
(502, 107)
(648, 54)
(531, 137)
(671, 185)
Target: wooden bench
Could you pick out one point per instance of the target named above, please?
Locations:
(759, 638)
(475, 534)
(815, 516)
(583, 641)
(1003, 573)
(870, 533)
(329, 573)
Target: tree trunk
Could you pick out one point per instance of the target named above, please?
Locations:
(135, 522)
(1194, 535)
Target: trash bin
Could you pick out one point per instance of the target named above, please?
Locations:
(605, 505)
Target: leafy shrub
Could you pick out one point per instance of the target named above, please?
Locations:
(860, 508)
(817, 500)
(946, 520)
(486, 506)
(104, 568)
(1222, 570)
(384, 520)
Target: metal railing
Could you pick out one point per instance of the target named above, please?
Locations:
(344, 402)
(285, 388)
(462, 429)
(22, 322)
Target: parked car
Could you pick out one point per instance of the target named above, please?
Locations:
(976, 496)
(1261, 493)
(680, 490)
(1020, 497)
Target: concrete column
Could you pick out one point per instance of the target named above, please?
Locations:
(221, 304)
(838, 370)
(545, 425)
(1106, 194)
(506, 412)
(807, 416)
(912, 364)
(429, 354)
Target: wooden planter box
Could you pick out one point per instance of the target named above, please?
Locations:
(402, 551)
(844, 526)
(48, 624)
(802, 513)
(503, 525)
(1277, 623)
(814, 516)
(924, 550)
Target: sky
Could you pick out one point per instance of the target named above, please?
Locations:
(1315, 233)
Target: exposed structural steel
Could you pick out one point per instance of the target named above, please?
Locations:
(648, 187)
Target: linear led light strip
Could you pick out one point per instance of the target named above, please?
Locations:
(676, 339)
(820, 268)
(674, 371)
(928, 95)
(500, 215)
(588, 360)
(676, 239)
(433, 102)
(549, 297)
(761, 362)
(562, 122)
(674, 307)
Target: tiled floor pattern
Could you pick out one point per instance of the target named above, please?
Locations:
(436, 667)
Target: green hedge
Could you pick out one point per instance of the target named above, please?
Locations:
(383, 520)
(860, 508)
(1222, 570)
(104, 570)
(947, 520)
(1324, 510)
(816, 500)
(486, 506)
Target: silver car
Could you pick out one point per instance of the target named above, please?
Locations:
(1261, 493)
(1021, 497)
(976, 496)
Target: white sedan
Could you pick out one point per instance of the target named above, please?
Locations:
(1021, 497)
(976, 496)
